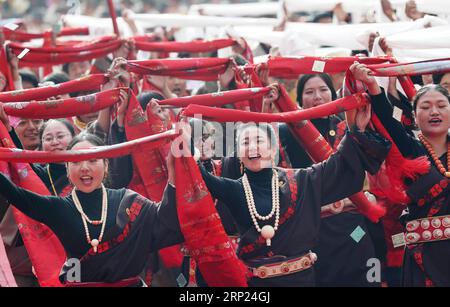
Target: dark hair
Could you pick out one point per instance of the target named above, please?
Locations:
(318, 17)
(305, 78)
(437, 78)
(86, 137)
(65, 68)
(145, 97)
(94, 140)
(428, 88)
(28, 76)
(63, 121)
(57, 78)
(262, 126)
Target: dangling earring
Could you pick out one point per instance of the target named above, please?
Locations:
(241, 166)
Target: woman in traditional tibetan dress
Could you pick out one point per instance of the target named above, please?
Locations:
(278, 210)
(427, 220)
(110, 231)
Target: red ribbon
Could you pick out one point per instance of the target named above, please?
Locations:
(68, 53)
(217, 99)
(100, 152)
(87, 83)
(63, 107)
(206, 69)
(291, 68)
(191, 47)
(229, 115)
(25, 36)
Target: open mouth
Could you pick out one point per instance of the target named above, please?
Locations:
(254, 157)
(87, 180)
(435, 121)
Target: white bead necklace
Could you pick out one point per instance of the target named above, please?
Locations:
(266, 231)
(95, 242)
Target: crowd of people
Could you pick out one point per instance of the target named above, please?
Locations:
(361, 173)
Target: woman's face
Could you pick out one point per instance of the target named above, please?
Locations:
(433, 114)
(86, 176)
(56, 136)
(255, 149)
(445, 81)
(28, 132)
(316, 92)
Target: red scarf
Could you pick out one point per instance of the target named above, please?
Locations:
(46, 252)
(14, 155)
(149, 166)
(25, 36)
(291, 68)
(217, 99)
(191, 47)
(87, 83)
(68, 53)
(202, 229)
(64, 107)
(205, 69)
(229, 115)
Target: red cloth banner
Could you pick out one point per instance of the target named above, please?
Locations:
(206, 69)
(25, 36)
(229, 115)
(101, 152)
(64, 107)
(87, 83)
(437, 66)
(68, 53)
(191, 47)
(291, 68)
(204, 235)
(217, 99)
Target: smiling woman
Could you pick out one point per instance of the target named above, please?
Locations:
(428, 248)
(277, 211)
(99, 226)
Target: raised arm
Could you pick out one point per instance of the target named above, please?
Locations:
(38, 207)
(383, 110)
(343, 173)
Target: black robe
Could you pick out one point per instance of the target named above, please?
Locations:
(342, 261)
(435, 255)
(301, 196)
(124, 250)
